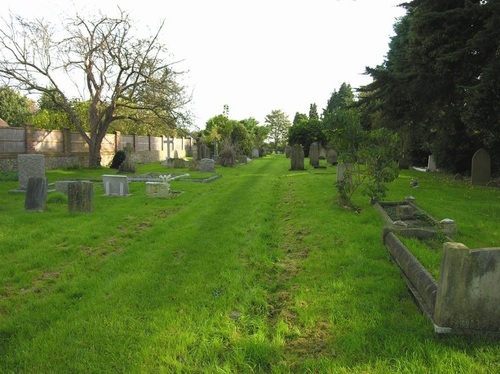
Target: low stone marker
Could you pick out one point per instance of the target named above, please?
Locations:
(481, 167)
(466, 300)
(468, 296)
(115, 185)
(159, 189)
(207, 165)
(80, 196)
(29, 165)
(36, 193)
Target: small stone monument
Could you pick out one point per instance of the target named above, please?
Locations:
(36, 193)
(207, 165)
(344, 173)
(431, 164)
(255, 152)
(159, 189)
(481, 167)
(29, 165)
(115, 185)
(127, 166)
(80, 196)
(314, 154)
(297, 157)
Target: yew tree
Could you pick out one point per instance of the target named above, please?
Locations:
(121, 76)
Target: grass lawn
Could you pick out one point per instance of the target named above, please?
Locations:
(259, 271)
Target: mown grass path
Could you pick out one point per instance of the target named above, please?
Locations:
(258, 271)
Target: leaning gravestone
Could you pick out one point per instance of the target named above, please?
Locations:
(481, 167)
(36, 193)
(314, 154)
(80, 196)
(29, 165)
(207, 165)
(297, 157)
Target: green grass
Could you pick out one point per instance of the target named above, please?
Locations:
(259, 271)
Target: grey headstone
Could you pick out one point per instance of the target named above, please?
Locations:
(468, 295)
(314, 154)
(36, 193)
(481, 167)
(29, 165)
(255, 152)
(297, 157)
(431, 164)
(115, 185)
(207, 165)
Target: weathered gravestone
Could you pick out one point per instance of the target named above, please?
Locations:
(297, 157)
(36, 193)
(331, 155)
(344, 173)
(431, 164)
(175, 163)
(29, 165)
(80, 196)
(255, 152)
(468, 295)
(127, 166)
(159, 189)
(314, 154)
(115, 185)
(481, 167)
(207, 165)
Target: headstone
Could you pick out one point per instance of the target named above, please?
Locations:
(243, 160)
(80, 196)
(159, 189)
(29, 165)
(404, 212)
(331, 155)
(127, 166)
(468, 295)
(297, 157)
(481, 167)
(115, 185)
(344, 173)
(314, 154)
(431, 164)
(207, 165)
(255, 152)
(36, 193)
(175, 163)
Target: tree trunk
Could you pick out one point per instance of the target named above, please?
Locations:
(95, 153)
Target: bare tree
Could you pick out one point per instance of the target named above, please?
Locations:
(121, 76)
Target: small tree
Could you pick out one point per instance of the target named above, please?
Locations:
(278, 124)
(369, 158)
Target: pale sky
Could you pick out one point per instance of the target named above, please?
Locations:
(254, 55)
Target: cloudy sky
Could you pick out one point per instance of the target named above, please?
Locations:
(254, 55)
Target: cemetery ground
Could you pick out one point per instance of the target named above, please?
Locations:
(257, 271)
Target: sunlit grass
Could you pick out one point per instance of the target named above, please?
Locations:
(259, 271)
